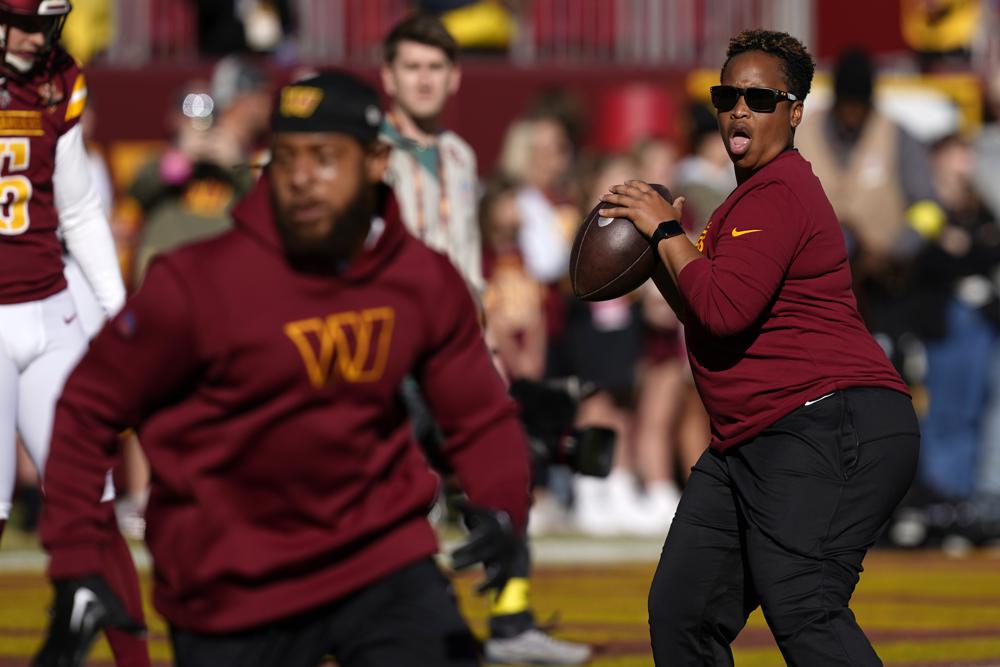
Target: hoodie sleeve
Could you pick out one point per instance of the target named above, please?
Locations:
(728, 292)
(485, 443)
(141, 358)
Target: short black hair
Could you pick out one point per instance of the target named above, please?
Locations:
(796, 62)
(423, 29)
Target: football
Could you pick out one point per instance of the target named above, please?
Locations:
(610, 257)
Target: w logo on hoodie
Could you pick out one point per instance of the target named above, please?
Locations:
(352, 346)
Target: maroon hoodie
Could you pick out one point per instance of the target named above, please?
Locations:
(284, 472)
(772, 321)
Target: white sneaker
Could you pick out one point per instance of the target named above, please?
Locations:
(547, 516)
(592, 512)
(627, 505)
(535, 647)
(658, 508)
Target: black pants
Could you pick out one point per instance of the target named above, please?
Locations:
(783, 522)
(407, 618)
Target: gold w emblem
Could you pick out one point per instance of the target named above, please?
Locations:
(353, 345)
(300, 101)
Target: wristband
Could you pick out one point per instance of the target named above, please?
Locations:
(665, 230)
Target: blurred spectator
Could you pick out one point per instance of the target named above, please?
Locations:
(514, 310)
(656, 161)
(705, 176)
(432, 170)
(878, 179)
(602, 345)
(941, 32)
(988, 148)
(866, 162)
(959, 314)
(660, 373)
(659, 395)
(186, 192)
(538, 154)
(513, 299)
(231, 26)
(242, 93)
(565, 106)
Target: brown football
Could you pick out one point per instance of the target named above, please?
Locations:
(611, 257)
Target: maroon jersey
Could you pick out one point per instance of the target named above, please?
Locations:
(285, 475)
(771, 319)
(34, 114)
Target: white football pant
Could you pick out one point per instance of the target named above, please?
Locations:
(40, 343)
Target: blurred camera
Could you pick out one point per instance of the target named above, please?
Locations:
(548, 412)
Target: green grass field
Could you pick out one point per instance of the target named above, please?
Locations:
(920, 609)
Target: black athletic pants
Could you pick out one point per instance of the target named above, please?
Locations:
(783, 522)
(408, 618)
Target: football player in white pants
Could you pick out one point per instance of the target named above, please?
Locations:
(45, 188)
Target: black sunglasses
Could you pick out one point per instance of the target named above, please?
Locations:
(761, 100)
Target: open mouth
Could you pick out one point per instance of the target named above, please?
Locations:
(739, 140)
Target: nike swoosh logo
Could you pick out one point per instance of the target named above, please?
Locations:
(84, 600)
(69, 320)
(738, 232)
(817, 400)
(604, 222)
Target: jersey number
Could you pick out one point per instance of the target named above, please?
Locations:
(15, 190)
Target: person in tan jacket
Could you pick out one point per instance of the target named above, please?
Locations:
(877, 176)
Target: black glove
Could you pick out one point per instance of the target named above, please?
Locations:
(82, 607)
(491, 542)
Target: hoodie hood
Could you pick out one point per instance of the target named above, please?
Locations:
(254, 216)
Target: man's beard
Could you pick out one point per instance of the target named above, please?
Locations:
(327, 254)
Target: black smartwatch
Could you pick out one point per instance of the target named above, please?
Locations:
(665, 230)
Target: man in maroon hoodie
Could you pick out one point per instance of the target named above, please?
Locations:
(287, 515)
(814, 437)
